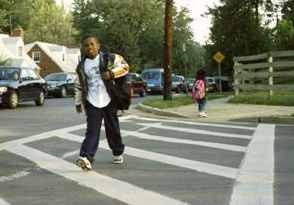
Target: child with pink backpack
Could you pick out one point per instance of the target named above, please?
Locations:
(198, 92)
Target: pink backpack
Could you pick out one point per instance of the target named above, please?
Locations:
(198, 90)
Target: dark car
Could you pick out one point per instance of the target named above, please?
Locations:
(60, 84)
(189, 83)
(138, 84)
(179, 83)
(19, 84)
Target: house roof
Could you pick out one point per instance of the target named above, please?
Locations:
(61, 55)
(7, 54)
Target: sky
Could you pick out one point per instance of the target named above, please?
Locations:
(200, 25)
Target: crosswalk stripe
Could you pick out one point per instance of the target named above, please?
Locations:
(193, 123)
(254, 184)
(184, 141)
(213, 169)
(123, 191)
(194, 131)
(14, 176)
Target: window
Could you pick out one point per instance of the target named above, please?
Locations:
(33, 75)
(24, 75)
(37, 57)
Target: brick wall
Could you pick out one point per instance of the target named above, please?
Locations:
(46, 64)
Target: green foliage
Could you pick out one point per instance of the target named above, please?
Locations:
(50, 23)
(3, 62)
(135, 29)
(286, 100)
(288, 11)
(19, 12)
(179, 101)
(237, 30)
(285, 35)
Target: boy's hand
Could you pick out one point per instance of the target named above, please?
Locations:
(106, 75)
(79, 109)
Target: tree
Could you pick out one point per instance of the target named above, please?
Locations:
(285, 35)
(135, 29)
(288, 11)
(50, 23)
(236, 30)
(14, 13)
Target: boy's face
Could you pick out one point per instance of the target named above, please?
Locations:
(91, 47)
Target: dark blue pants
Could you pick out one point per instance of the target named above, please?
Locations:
(94, 119)
(201, 104)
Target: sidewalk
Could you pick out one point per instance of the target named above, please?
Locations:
(219, 110)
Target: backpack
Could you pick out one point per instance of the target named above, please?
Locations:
(119, 88)
(196, 91)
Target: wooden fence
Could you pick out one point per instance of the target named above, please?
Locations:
(267, 71)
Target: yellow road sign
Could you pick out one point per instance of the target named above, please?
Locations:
(218, 57)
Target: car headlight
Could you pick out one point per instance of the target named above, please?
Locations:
(3, 89)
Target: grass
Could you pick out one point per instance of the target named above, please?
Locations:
(260, 99)
(281, 98)
(179, 101)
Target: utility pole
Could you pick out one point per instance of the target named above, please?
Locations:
(167, 94)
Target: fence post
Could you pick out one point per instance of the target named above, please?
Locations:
(236, 80)
(270, 73)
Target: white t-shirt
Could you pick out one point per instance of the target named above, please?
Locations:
(97, 93)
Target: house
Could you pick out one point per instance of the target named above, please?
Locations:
(53, 58)
(12, 50)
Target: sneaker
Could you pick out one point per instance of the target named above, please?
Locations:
(203, 114)
(118, 159)
(84, 163)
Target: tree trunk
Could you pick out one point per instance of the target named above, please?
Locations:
(167, 95)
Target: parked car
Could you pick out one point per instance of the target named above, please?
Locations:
(154, 77)
(227, 83)
(60, 84)
(19, 84)
(210, 84)
(190, 82)
(179, 83)
(138, 85)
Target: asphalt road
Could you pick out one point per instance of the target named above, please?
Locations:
(166, 161)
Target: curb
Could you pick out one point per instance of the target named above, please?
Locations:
(158, 111)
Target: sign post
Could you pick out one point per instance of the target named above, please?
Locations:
(219, 57)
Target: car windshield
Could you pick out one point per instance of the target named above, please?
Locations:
(175, 79)
(190, 80)
(150, 75)
(7, 73)
(129, 77)
(55, 77)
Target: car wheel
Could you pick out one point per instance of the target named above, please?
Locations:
(40, 100)
(63, 92)
(13, 100)
(178, 90)
(142, 93)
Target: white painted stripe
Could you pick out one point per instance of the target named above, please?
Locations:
(194, 123)
(44, 135)
(213, 169)
(14, 176)
(69, 154)
(184, 141)
(3, 202)
(108, 186)
(196, 131)
(254, 184)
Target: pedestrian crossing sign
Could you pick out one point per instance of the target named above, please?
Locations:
(218, 57)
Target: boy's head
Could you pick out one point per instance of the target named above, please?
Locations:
(91, 46)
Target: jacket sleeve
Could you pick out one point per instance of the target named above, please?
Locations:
(78, 91)
(120, 66)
